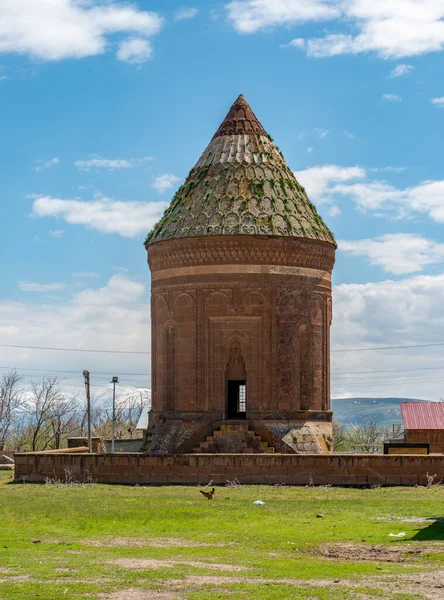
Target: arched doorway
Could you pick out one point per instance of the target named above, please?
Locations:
(236, 383)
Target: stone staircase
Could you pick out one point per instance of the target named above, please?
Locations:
(234, 439)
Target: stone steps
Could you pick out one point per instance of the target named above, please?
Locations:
(236, 438)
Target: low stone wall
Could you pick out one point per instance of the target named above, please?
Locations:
(128, 468)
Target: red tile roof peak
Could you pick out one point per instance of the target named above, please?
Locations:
(240, 120)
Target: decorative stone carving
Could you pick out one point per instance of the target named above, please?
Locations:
(241, 290)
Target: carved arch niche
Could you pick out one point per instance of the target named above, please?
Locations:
(235, 368)
(254, 303)
(217, 304)
(170, 369)
(318, 354)
(160, 316)
(185, 319)
(305, 366)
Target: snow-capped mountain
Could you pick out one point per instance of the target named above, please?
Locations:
(125, 395)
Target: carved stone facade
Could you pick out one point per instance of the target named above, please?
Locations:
(241, 308)
(263, 320)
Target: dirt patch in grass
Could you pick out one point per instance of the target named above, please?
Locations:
(151, 563)
(375, 553)
(16, 579)
(126, 542)
(429, 585)
(138, 594)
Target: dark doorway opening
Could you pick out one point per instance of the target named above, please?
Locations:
(237, 399)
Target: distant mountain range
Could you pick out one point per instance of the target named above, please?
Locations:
(384, 411)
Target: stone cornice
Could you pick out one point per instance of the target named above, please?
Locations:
(238, 250)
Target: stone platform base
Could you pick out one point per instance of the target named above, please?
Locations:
(306, 435)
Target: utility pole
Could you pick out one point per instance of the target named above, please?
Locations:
(114, 380)
(88, 408)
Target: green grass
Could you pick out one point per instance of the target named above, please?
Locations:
(265, 552)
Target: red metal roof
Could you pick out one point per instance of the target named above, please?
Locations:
(423, 415)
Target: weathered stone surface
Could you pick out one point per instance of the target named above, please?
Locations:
(293, 469)
(252, 306)
(241, 185)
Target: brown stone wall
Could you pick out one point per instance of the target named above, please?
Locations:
(128, 468)
(256, 306)
(434, 437)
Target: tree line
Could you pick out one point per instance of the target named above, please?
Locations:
(41, 417)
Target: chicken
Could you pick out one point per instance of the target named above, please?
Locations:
(208, 495)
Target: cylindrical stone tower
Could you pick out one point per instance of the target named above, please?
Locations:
(241, 307)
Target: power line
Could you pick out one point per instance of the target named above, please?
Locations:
(73, 372)
(73, 349)
(146, 353)
(351, 373)
(337, 374)
(387, 348)
(392, 381)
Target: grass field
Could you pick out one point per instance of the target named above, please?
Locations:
(133, 543)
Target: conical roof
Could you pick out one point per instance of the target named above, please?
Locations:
(241, 185)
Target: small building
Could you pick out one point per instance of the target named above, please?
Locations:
(424, 424)
(241, 305)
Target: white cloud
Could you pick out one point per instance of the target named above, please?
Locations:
(322, 133)
(296, 43)
(351, 136)
(391, 29)
(317, 180)
(56, 233)
(332, 183)
(185, 13)
(387, 169)
(401, 70)
(128, 219)
(135, 51)
(309, 150)
(438, 102)
(388, 313)
(46, 164)
(427, 198)
(399, 253)
(111, 163)
(119, 290)
(250, 16)
(113, 317)
(392, 97)
(165, 182)
(41, 288)
(334, 211)
(55, 30)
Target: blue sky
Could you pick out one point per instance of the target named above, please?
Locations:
(106, 106)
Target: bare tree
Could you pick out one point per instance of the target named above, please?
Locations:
(340, 438)
(51, 417)
(127, 414)
(10, 401)
(365, 437)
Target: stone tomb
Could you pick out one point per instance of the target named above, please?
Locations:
(241, 306)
